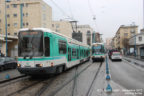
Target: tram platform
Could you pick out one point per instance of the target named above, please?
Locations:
(9, 74)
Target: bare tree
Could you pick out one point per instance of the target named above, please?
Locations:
(125, 43)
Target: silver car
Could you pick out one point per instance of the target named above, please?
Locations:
(116, 56)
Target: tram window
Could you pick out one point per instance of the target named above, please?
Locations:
(77, 53)
(69, 54)
(62, 47)
(73, 53)
(47, 46)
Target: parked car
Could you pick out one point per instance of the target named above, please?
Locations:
(111, 51)
(7, 62)
(116, 56)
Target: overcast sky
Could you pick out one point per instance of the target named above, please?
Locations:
(110, 14)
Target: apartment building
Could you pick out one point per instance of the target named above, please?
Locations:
(113, 43)
(96, 37)
(137, 43)
(123, 34)
(21, 14)
(63, 27)
(86, 32)
(108, 43)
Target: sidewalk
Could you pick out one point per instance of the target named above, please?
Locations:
(132, 59)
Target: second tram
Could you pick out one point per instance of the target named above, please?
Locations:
(98, 52)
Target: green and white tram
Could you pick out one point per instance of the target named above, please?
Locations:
(98, 52)
(41, 51)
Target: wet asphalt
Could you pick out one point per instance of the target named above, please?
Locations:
(126, 74)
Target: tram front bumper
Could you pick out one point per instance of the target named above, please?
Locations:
(37, 71)
(98, 57)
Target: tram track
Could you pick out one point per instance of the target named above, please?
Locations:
(95, 77)
(59, 88)
(46, 84)
(12, 79)
(25, 88)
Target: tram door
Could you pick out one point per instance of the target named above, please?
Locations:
(69, 54)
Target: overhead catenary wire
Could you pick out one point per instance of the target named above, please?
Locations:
(93, 15)
(90, 8)
(70, 9)
(59, 8)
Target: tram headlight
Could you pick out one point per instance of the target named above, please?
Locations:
(39, 65)
(18, 65)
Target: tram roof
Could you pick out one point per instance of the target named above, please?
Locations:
(70, 40)
(97, 43)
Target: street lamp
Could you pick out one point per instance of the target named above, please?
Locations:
(135, 46)
(100, 36)
(74, 25)
(6, 24)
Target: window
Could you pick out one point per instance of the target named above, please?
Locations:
(8, 15)
(8, 25)
(0, 30)
(132, 30)
(77, 53)
(73, 53)
(44, 7)
(7, 6)
(26, 4)
(47, 46)
(62, 47)
(15, 24)
(57, 26)
(15, 33)
(140, 38)
(44, 16)
(125, 34)
(27, 24)
(15, 15)
(14, 6)
(52, 25)
(26, 14)
(57, 30)
(23, 24)
(69, 54)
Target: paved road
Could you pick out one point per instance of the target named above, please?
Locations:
(127, 75)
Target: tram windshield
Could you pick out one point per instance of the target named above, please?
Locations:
(30, 43)
(98, 49)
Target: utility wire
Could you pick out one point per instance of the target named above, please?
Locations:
(70, 9)
(93, 15)
(90, 8)
(63, 12)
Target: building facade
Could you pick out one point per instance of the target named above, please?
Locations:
(123, 34)
(63, 27)
(113, 43)
(137, 43)
(22, 14)
(108, 43)
(96, 37)
(86, 32)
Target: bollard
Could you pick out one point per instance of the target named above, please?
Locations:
(109, 88)
(107, 71)
(107, 67)
(108, 77)
(7, 76)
